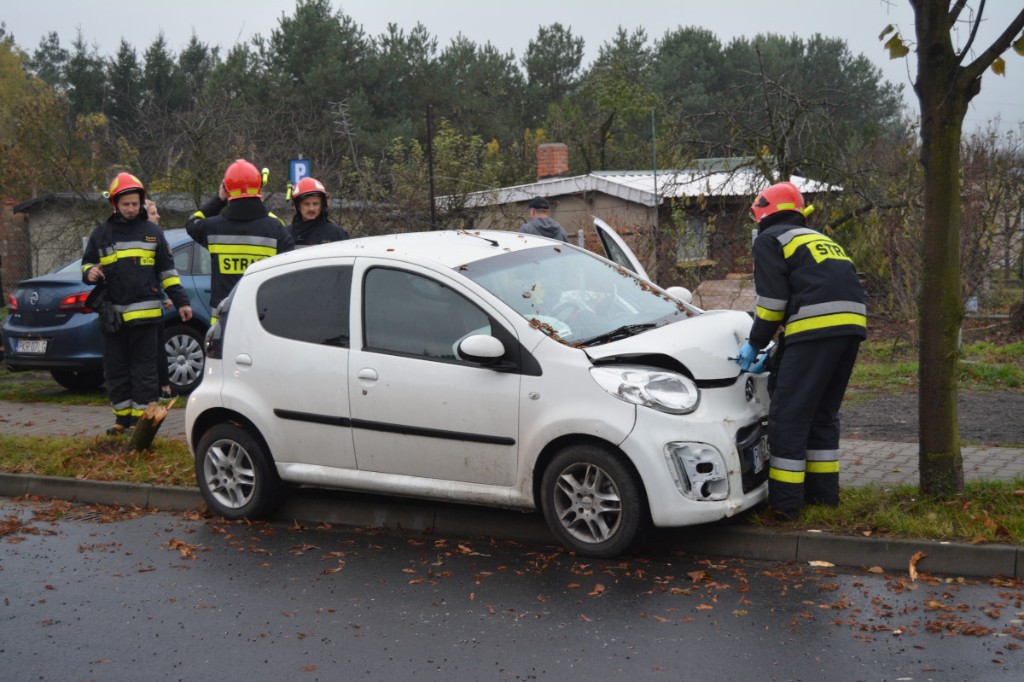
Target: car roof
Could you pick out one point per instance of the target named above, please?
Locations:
(444, 248)
(176, 237)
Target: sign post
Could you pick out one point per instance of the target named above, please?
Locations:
(298, 169)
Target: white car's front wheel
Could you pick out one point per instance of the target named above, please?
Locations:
(592, 501)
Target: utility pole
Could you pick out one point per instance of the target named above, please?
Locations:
(430, 164)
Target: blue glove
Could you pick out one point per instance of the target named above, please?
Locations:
(746, 355)
(758, 366)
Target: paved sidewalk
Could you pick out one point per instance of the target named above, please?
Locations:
(862, 462)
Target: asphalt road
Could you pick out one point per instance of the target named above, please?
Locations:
(87, 595)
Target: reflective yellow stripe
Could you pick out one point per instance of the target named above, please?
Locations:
(170, 282)
(199, 214)
(107, 260)
(823, 467)
(770, 315)
(124, 412)
(135, 253)
(213, 320)
(142, 314)
(243, 249)
(137, 413)
(823, 321)
(783, 476)
(797, 242)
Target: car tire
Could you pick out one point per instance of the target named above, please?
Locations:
(79, 380)
(593, 501)
(236, 474)
(185, 357)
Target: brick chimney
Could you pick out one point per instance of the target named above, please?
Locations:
(552, 160)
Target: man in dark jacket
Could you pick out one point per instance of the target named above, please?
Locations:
(128, 256)
(541, 222)
(311, 226)
(805, 281)
(244, 233)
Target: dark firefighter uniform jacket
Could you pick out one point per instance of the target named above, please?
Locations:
(137, 267)
(318, 231)
(805, 281)
(237, 236)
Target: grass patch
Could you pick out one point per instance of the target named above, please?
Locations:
(39, 387)
(989, 512)
(891, 366)
(104, 458)
(986, 512)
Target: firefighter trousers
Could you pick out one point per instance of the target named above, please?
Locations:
(803, 422)
(130, 370)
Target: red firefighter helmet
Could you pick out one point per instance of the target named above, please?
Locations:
(307, 186)
(783, 196)
(123, 184)
(242, 180)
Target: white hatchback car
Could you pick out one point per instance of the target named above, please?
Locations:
(489, 368)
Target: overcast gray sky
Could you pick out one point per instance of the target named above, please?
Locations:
(511, 24)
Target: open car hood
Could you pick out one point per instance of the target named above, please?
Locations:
(703, 344)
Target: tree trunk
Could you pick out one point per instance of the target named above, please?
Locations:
(941, 464)
(149, 424)
(943, 105)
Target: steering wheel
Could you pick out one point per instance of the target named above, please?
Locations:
(568, 310)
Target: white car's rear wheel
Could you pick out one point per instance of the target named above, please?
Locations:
(236, 474)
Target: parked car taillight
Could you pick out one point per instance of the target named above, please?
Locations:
(12, 303)
(75, 303)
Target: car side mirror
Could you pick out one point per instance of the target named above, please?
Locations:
(481, 348)
(681, 293)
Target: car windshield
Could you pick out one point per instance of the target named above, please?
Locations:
(574, 296)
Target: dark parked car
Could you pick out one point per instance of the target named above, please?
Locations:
(48, 326)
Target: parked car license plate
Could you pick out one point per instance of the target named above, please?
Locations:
(759, 454)
(37, 346)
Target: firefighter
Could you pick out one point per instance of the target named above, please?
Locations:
(806, 282)
(244, 233)
(129, 258)
(311, 225)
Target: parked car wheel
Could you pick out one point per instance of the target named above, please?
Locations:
(236, 474)
(78, 380)
(592, 502)
(185, 357)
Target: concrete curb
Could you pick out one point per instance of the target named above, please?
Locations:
(726, 539)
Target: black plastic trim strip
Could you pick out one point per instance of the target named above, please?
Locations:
(345, 422)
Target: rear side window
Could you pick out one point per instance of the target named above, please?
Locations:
(183, 259)
(310, 305)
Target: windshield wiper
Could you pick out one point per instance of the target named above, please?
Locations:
(623, 332)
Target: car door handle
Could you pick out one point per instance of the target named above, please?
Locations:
(368, 374)
(244, 360)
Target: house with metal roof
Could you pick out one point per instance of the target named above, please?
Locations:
(686, 225)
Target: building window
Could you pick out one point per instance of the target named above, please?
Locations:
(693, 241)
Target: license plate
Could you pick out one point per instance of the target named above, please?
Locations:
(759, 455)
(36, 346)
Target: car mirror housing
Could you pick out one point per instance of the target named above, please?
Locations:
(482, 348)
(681, 293)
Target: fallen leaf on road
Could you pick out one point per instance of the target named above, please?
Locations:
(913, 564)
(823, 564)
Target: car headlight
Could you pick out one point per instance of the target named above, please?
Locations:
(655, 388)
